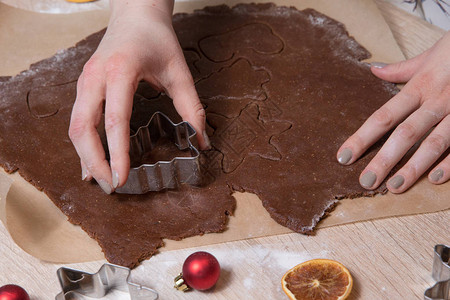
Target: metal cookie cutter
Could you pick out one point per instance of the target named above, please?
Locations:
(440, 273)
(75, 283)
(162, 174)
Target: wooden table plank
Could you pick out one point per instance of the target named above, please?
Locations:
(389, 258)
(412, 34)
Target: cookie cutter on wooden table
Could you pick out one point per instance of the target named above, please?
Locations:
(76, 283)
(162, 174)
(440, 273)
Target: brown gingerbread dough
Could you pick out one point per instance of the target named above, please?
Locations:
(282, 89)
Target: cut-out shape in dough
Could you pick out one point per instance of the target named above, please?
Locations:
(245, 135)
(45, 101)
(230, 89)
(240, 80)
(211, 166)
(224, 46)
(192, 56)
(282, 148)
(268, 110)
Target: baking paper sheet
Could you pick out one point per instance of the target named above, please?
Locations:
(42, 230)
(57, 6)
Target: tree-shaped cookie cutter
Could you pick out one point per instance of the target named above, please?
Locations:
(76, 283)
(440, 273)
(162, 174)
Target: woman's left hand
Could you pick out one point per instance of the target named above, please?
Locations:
(422, 104)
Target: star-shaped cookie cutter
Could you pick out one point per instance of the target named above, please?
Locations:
(162, 174)
(440, 273)
(76, 283)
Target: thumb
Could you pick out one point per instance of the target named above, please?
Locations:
(398, 72)
(187, 103)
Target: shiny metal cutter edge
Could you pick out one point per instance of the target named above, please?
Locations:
(109, 277)
(440, 273)
(163, 174)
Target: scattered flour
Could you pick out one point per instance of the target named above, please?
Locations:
(316, 20)
(257, 263)
(249, 283)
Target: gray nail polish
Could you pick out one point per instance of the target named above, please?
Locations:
(437, 175)
(106, 187)
(378, 65)
(345, 156)
(83, 173)
(397, 181)
(115, 179)
(206, 138)
(368, 179)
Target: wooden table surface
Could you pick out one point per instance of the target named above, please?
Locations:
(389, 258)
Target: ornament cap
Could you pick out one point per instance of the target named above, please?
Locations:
(180, 284)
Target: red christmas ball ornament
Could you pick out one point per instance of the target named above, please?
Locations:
(201, 270)
(13, 292)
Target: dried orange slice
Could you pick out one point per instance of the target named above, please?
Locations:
(318, 279)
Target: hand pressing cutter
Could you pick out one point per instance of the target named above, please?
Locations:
(162, 174)
(75, 283)
(440, 273)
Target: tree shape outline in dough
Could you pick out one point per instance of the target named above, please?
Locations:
(239, 137)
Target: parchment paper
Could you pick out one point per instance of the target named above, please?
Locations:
(43, 231)
(57, 6)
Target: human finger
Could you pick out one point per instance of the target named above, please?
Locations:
(399, 72)
(121, 83)
(401, 140)
(441, 173)
(86, 114)
(428, 153)
(85, 174)
(378, 124)
(187, 103)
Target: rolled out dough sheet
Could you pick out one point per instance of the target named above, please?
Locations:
(40, 229)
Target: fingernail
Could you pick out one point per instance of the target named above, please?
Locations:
(115, 179)
(378, 65)
(345, 156)
(368, 179)
(83, 173)
(396, 181)
(106, 187)
(206, 138)
(437, 175)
